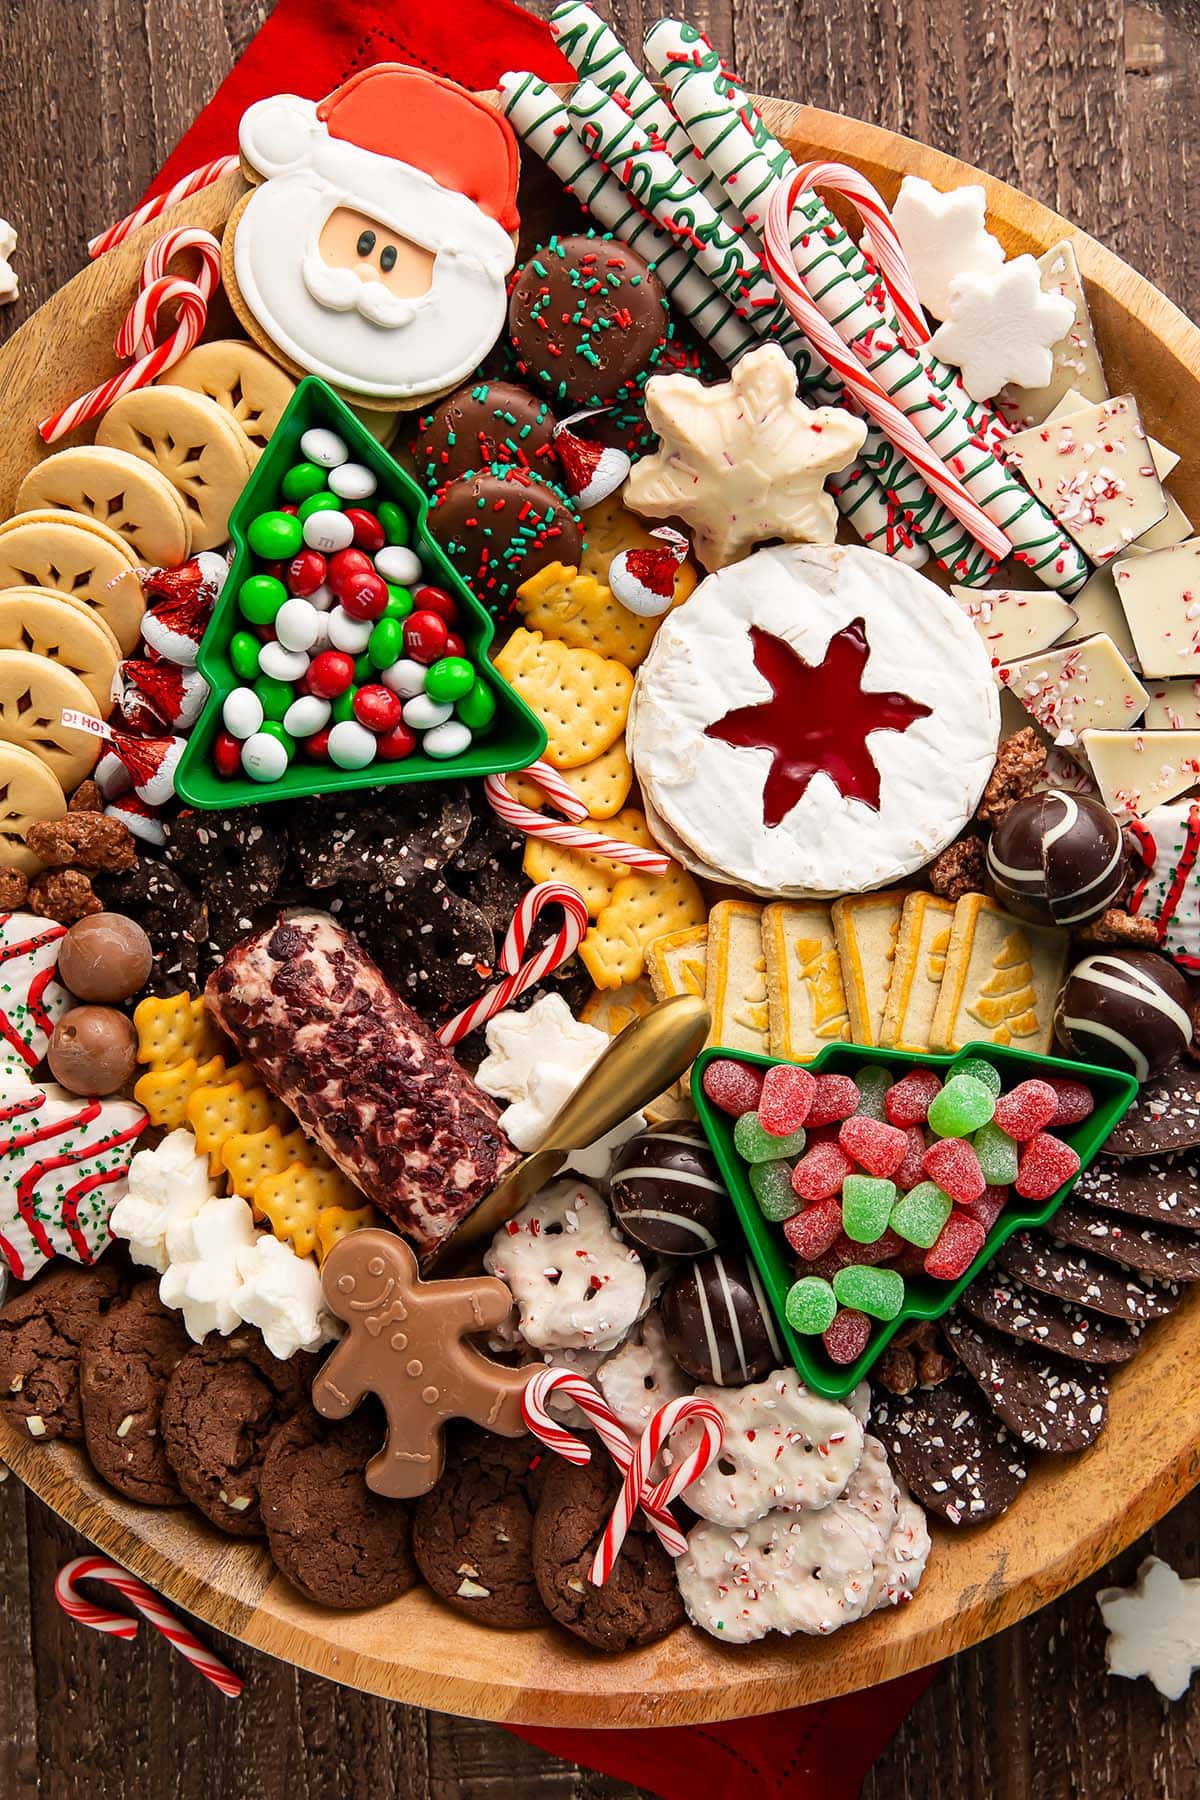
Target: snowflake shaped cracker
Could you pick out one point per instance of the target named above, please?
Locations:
(943, 236)
(1154, 1628)
(744, 461)
(8, 278)
(1002, 327)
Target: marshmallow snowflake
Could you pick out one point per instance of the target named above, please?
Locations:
(166, 1188)
(8, 279)
(1002, 326)
(943, 236)
(1154, 1628)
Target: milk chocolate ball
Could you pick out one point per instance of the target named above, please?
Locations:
(93, 1050)
(105, 957)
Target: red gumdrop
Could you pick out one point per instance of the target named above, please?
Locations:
(425, 637)
(316, 747)
(733, 1086)
(346, 567)
(368, 532)
(840, 1254)
(834, 1099)
(305, 573)
(1024, 1111)
(226, 754)
(875, 1147)
(847, 1337)
(958, 1244)
(436, 600)
(820, 1172)
(365, 596)
(329, 674)
(1046, 1162)
(885, 1249)
(912, 1169)
(785, 1099)
(987, 1209)
(397, 743)
(1075, 1100)
(908, 1100)
(813, 1231)
(910, 1261)
(953, 1164)
(377, 707)
(455, 646)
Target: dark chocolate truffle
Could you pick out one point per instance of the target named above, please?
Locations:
(501, 526)
(667, 1194)
(93, 1050)
(588, 319)
(1125, 1010)
(488, 422)
(105, 957)
(1057, 858)
(718, 1323)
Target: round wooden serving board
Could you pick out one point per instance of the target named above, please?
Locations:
(1073, 1515)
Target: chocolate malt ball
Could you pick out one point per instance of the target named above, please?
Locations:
(105, 957)
(93, 1050)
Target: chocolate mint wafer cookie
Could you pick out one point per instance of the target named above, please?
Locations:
(1007, 1305)
(1047, 1402)
(1165, 1190)
(953, 1454)
(1150, 1250)
(1070, 1275)
(1164, 1118)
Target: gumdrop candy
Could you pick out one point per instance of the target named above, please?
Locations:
(909, 1261)
(912, 1169)
(757, 1146)
(733, 1086)
(908, 1100)
(963, 1105)
(867, 1204)
(873, 1082)
(840, 1254)
(877, 1292)
(997, 1153)
(772, 1185)
(835, 1097)
(1075, 1100)
(953, 1164)
(920, 1215)
(876, 1146)
(847, 1337)
(1025, 1111)
(821, 1172)
(1046, 1162)
(810, 1307)
(979, 1069)
(987, 1209)
(812, 1232)
(959, 1243)
(785, 1100)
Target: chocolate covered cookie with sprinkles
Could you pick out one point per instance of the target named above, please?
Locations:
(588, 319)
(501, 525)
(483, 423)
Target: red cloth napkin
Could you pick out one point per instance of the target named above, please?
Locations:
(308, 47)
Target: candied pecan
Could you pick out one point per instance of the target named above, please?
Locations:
(959, 869)
(84, 839)
(63, 895)
(1115, 926)
(896, 1369)
(1019, 761)
(14, 885)
(86, 798)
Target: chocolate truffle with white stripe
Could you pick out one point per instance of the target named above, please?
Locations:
(667, 1194)
(1125, 1010)
(1057, 858)
(717, 1322)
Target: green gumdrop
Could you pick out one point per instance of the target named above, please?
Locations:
(478, 708)
(981, 1070)
(963, 1105)
(919, 1215)
(323, 501)
(872, 1082)
(450, 678)
(260, 598)
(302, 481)
(342, 708)
(243, 654)
(385, 643)
(276, 695)
(395, 522)
(811, 1306)
(877, 1292)
(275, 536)
(997, 1153)
(772, 1185)
(867, 1202)
(399, 603)
(759, 1146)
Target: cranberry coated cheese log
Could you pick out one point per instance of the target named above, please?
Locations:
(364, 1076)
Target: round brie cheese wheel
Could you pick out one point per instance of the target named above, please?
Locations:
(814, 721)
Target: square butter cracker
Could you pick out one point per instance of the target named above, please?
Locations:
(806, 997)
(602, 786)
(920, 963)
(581, 698)
(611, 1010)
(1001, 981)
(578, 607)
(676, 962)
(292, 1203)
(594, 877)
(735, 977)
(639, 909)
(865, 927)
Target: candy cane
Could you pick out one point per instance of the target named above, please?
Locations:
(76, 1606)
(191, 183)
(534, 824)
(132, 341)
(636, 1489)
(521, 975)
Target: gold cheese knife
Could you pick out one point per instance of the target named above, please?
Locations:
(639, 1064)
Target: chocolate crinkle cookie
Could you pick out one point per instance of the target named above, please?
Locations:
(41, 1330)
(328, 1533)
(639, 1602)
(125, 1362)
(473, 1531)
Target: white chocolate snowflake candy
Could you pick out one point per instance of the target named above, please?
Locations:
(1076, 360)
(1095, 472)
(785, 1449)
(811, 1572)
(1084, 687)
(943, 236)
(280, 1294)
(167, 1184)
(1002, 327)
(31, 1001)
(578, 1284)
(1154, 1628)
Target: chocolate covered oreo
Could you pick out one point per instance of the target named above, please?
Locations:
(667, 1193)
(588, 319)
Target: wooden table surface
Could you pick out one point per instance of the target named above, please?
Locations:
(1087, 104)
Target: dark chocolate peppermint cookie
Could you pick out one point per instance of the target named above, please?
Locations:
(1164, 1191)
(125, 1363)
(1045, 1401)
(1164, 1118)
(328, 1533)
(501, 525)
(638, 1603)
(1152, 1251)
(1007, 1305)
(41, 1330)
(473, 1531)
(588, 318)
(1070, 1275)
(397, 842)
(222, 1407)
(954, 1455)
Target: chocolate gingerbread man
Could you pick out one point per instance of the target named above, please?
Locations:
(407, 1342)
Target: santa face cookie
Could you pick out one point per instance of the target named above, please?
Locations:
(814, 721)
(374, 252)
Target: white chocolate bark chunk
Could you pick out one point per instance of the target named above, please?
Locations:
(1165, 461)
(1172, 529)
(1161, 597)
(1139, 770)
(1097, 609)
(1015, 622)
(1077, 364)
(1174, 706)
(1095, 473)
(1082, 687)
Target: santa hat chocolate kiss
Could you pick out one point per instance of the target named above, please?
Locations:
(591, 471)
(644, 580)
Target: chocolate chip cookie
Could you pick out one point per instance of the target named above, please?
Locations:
(41, 1330)
(473, 1531)
(329, 1534)
(125, 1363)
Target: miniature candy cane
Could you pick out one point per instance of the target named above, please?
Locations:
(97, 1568)
(191, 183)
(135, 336)
(535, 824)
(636, 1489)
(521, 975)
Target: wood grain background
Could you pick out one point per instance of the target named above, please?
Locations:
(1087, 104)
